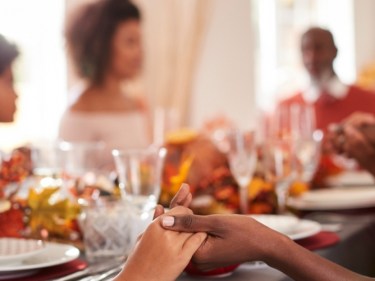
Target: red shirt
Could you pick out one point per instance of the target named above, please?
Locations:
(329, 109)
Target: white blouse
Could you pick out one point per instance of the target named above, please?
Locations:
(118, 130)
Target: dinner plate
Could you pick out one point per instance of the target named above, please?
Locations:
(14, 250)
(351, 178)
(335, 199)
(54, 254)
(293, 227)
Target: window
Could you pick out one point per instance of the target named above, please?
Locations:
(40, 72)
(280, 25)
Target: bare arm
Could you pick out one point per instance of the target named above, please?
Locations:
(161, 254)
(234, 239)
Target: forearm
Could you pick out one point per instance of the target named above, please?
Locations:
(303, 265)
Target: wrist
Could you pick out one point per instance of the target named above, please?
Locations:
(278, 250)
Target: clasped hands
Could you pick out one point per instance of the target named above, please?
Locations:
(178, 237)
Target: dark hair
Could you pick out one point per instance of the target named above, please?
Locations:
(8, 52)
(317, 29)
(90, 32)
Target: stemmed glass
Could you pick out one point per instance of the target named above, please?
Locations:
(242, 158)
(281, 161)
(293, 147)
(308, 151)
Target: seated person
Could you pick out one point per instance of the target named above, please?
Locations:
(104, 42)
(8, 95)
(332, 100)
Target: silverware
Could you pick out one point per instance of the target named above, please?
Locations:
(93, 269)
(105, 275)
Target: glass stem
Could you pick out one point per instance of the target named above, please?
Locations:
(244, 202)
(282, 192)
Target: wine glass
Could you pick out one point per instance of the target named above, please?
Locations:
(308, 151)
(293, 147)
(281, 162)
(139, 172)
(242, 158)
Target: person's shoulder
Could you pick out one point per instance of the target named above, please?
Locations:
(81, 104)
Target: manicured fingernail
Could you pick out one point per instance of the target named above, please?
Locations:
(168, 221)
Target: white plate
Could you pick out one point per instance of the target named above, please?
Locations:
(14, 250)
(54, 254)
(292, 227)
(351, 178)
(335, 199)
(283, 224)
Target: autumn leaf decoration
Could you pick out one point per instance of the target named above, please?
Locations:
(182, 174)
(50, 213)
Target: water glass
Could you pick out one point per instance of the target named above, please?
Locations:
(105, 224)
(139, 172)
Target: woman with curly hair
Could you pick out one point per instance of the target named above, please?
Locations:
(104, 43)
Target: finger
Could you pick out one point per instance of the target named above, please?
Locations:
(179, 210)
(182, 197)
(359, 119)
(356, 142)
(159, 210)
(193, 243)
(192, 223)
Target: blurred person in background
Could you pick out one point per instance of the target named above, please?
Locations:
(104, 43)
(332, 100)
(8, 95)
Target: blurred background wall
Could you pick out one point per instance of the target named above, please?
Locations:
(244, 57)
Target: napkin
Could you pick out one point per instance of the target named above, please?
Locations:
(49, 273)
(321, 240)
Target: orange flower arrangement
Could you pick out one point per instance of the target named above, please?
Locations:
(194, 159)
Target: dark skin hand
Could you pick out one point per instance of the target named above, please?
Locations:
(235, 239)
(350, 139)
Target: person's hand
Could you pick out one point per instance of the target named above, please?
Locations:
(349, 139)
(357, 146)
(161, 254)
(183, 198)
(359, 119)
(232, 239)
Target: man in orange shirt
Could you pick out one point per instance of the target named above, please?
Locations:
(332, 100)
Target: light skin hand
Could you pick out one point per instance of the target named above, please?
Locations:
(161, 254)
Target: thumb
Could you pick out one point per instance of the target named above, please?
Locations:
(190, 223)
